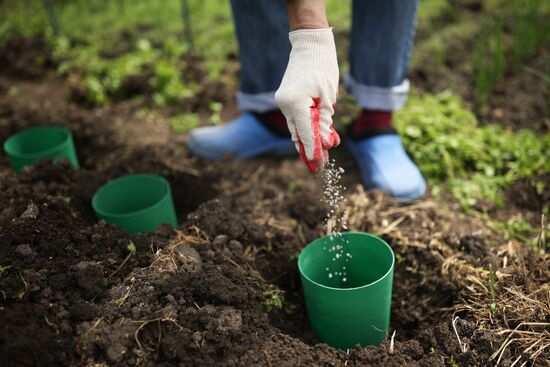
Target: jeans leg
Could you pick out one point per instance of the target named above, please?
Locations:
(381, 41)
(262, 32)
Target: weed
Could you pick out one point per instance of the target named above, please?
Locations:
(489, 60)
(13, 91)
(294, 185)
(476, 162)
(144, 112)
(451, 362)
(132, 248)
(51, 324)
(215, 109)
(4, 269)
(184, 122)
(119, 302)
(23, 291)
(95, 91)
(105, 78)
(273, 298)
(433, 52)
(492, 289)
(539, 187)
(432, 10)
(290, 308)
(514, 228)
(527, 30)
(131, 252)
(400, 258)
(90, 28)
(168, 84)
(544, 232)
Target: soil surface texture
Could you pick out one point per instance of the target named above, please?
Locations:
(223, 288)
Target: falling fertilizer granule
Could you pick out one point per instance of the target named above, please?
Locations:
(336, 219)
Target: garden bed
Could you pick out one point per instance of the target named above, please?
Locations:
(224, 287)
(472, 266)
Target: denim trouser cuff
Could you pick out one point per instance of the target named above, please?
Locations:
(378, 98)
(374, 98)
(257, 102)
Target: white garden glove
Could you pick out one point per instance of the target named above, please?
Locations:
(307, 94)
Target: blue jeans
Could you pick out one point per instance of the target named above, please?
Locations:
(381, 41)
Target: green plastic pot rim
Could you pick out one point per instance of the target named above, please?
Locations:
(354, 288)
(19, 134)
(165, 183)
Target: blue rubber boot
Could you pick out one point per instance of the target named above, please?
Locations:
(385, 165)
(245, 137)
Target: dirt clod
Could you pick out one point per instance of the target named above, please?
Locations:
(31, 212)
(24, 250)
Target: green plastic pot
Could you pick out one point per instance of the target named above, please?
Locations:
(136, 203)
(27, 147)
(346, 310)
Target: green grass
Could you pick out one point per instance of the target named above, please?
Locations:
(454, 153)
(153, 38)
(517, 228)
(104, 20)
(524, 33)
(490, 59)
(472, 162)
(148, 35)
(527, 29)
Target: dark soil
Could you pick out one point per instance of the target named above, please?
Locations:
(26, 57)
(71, 292)
(522, 100)
(525, 198)
(192, 297)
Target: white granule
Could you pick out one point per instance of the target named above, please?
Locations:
(336, 219)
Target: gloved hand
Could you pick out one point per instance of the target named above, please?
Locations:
(308, 92)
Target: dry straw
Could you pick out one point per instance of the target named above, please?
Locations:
(511, 299)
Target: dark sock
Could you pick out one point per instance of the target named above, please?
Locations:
(371, 123)
(274, 121)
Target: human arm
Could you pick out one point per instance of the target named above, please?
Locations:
(309, 87)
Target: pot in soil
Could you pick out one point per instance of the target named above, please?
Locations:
(136, 203)
(348, 288)
(29, 146)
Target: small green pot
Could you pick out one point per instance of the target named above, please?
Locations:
(136, 203)
(352, 307)
(27, 147)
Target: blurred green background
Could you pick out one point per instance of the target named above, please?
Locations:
(465, 53)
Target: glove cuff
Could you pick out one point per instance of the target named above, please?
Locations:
(311, 37)
(315, 48)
